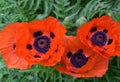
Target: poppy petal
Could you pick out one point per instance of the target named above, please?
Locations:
(102, 35)
(84, 68)
(42, 42)
(8, 46)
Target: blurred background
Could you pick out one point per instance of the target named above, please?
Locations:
(72, 14)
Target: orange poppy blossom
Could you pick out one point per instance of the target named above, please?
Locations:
(8, 46)
(42, 42)
(101, 34)
(80, 60)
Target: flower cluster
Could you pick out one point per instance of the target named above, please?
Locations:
(44, 42)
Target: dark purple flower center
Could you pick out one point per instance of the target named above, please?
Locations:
(42, 44)
(99, 38)
(78, 59)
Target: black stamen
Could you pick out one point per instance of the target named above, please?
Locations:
(14, 46)
(80, 50)
(93, 29)
(69, 54)
(86, 37)
(72, 71)
(49, 57)
(36, 56)
(29, 46)
(52, 35)
(105, 30)
(56, 50)
(105, 49)
(38, 33)
(110, 41)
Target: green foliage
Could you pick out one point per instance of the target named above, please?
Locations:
(70, 13)
(63, 8)
(94, 7)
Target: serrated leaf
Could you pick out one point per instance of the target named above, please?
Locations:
(69, 8)
(67, 3)
(57, 7)
(58, 1)
(75, 13)
(25, 2)
(38, 2)
(58, 14)
(31, 4)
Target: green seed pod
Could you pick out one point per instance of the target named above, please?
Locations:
(80, 21)
(67, 22)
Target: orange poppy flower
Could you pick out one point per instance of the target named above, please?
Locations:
(8, 46)
(42, 42)
(101, 34)
(80, 60)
